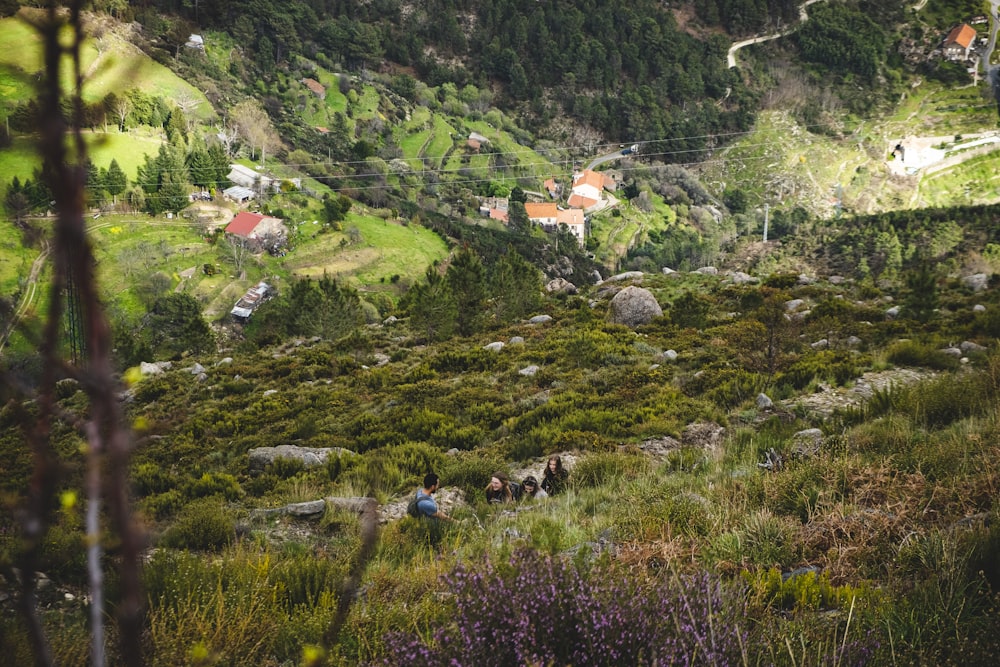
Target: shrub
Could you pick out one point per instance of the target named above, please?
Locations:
(203, 525)
(215, 484)
(805, 591)
(563, 616)
(912, 353)
(599, 469)
(766, 539)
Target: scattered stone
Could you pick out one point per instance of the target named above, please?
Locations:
(628, 275)
(764, 402)
(892, 313)
(596, 275)
(807, 443)
(669, 355)
(495, 346)
(197, 369)
(561, 286)
(706, 435)
(224, 360)
(540, 319)
(269, 392)
(977, 282)
(528, 371)
(381, 359)
(659, 448)
(201, 377)
(667, 271)
(979, 308)
(516, 340)
(155, 368)
(793, 304)
(311, 457)
(707, 271)
(821, 344)
(308, 508)
(389, 321)
(740, 278)
(805, 280)
(634, 306)
(852, 341)
(952, 351)
(836, 280)
(968, 347)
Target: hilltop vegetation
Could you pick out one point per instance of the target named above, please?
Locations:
(795, 464)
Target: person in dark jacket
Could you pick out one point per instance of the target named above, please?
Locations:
(555, 476)
(501, 489)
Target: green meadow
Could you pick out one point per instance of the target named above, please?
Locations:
(382, 249)
(106, 63)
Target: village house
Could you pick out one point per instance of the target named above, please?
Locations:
(495, 208)
(588, 189)
(544, 214)
(575, 221)
(315, 87)
(476, 141)
(551, 187)
(261, 232)
(959, 42)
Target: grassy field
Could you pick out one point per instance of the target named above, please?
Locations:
(130, 149)
(387, 248)
(440, 144)
(106, 64)
(523, 160)
(976, 181)
(15, 260)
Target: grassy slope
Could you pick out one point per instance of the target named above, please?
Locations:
(106, 63)
(15, 260)
(387, 248)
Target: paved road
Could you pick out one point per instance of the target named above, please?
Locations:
(992, 72)
(803, 17)
(597, 161)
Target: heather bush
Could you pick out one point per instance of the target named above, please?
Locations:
(537, 610)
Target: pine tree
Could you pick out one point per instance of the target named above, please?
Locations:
(466, 280)
(432, 307)
(516, 287)
(115, 180)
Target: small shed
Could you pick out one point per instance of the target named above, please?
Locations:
(238, 194)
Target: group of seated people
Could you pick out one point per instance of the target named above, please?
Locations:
(502, 490)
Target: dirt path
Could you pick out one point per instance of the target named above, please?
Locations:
(28, 298)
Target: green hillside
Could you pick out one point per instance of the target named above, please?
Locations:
(770, 372)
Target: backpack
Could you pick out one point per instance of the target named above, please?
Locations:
(412, 508)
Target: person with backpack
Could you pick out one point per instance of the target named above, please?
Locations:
(422, 505)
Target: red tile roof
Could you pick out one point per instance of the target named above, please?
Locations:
(545, 210)
(315, 86)
(961, 35)
(244, 223)
(579, 201)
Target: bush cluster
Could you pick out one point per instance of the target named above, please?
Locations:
(537, 610)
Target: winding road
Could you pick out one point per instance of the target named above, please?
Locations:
(803, 17)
